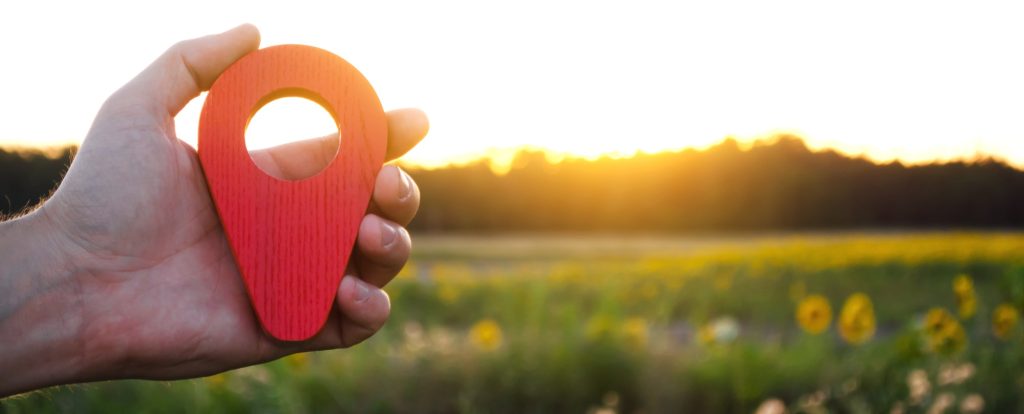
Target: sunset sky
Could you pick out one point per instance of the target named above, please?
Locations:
(915, 80)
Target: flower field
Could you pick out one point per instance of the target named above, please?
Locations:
(841, 322)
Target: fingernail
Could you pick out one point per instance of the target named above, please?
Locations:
(362, 290)
(404, 185)
(388, 234)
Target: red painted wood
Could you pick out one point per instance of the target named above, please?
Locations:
(291, 239)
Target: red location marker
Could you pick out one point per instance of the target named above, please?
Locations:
(291, 239)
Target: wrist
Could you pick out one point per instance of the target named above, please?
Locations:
(40, 316)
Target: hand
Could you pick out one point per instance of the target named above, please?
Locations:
(125, 271)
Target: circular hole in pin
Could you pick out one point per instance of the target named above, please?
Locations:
(291, 137)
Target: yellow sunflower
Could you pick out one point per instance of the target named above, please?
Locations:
(966, 299)
(635, 332)
(217, 380)
(1004, 319)
(298, 361)
(706, 334)
(814, 314)
(857, 319)
(944, 332)
(486, 335)
(448, 293)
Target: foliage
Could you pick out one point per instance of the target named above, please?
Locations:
(776, 184)
(652, 325)
(26, 177)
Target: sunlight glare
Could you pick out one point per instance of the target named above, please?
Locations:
(916, 81)
(287, 120)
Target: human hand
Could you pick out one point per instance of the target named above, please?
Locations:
(125, 271)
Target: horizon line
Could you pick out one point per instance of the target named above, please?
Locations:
(501, 159)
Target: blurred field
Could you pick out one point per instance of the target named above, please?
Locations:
(651, 324)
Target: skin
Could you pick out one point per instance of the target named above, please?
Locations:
(125, 271)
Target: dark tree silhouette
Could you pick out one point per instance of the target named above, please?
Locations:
(774, 185)
(26, 177)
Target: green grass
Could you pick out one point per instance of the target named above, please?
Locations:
(613, 322)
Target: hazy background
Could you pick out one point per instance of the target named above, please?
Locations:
(917, 80)
(627, 207)
(772, 185)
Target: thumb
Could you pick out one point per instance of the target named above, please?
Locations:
(183, 71)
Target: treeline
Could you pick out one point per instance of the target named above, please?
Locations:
(26, 177)
(774, 185)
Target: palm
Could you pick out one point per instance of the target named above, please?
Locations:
(170, 264)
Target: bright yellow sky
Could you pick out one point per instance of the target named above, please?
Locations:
(916, 81)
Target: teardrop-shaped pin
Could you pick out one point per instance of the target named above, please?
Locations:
(291, 239)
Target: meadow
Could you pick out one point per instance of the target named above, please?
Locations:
(867, 322)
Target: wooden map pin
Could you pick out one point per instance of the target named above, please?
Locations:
(291, 239)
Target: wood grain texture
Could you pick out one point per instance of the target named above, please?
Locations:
(291, 239)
